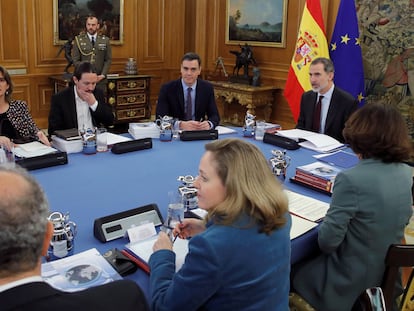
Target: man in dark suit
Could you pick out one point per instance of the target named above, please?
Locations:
(189, 100)
(25, 234)
(336, 104)
(81, 105)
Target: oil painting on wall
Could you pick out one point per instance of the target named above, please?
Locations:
(69, 18)
(259, 22)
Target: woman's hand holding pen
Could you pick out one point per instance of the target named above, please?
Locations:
(189, 227)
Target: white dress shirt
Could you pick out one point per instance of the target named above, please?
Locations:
(326, 100)
(83, 113)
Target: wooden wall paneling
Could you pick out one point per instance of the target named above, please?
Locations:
(13, 41)
(43, 58)
(152, 32)
(121, 53)
(191, 18)
(174, 36)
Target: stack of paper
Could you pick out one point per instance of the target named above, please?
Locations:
(144, 130)
(314, 141)
(69, 146)
(32, 149)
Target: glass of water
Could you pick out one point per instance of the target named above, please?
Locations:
(175, 213)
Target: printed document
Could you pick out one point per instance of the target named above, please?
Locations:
(314, 141)
(143, 250)
(32, 149)
(300, 226)
(306, 207)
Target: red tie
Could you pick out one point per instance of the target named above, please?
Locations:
(189, 107)
(317, 116)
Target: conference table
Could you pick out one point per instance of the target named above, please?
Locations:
(102, 184)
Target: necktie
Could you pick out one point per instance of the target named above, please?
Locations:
(93, 41)
(317, 116)
(189, 107)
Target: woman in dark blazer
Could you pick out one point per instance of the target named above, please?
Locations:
(371, 205)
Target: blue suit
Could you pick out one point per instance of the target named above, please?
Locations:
(227, 268)
(371, 205)
(171, 102)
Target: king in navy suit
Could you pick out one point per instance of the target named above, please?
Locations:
(336, 105)
(197, 111)
(25, 235)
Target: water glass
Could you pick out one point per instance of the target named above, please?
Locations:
(101, 140)
(260, 130)
(175, 209)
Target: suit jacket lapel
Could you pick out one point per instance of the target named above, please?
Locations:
(331, 111)
(180, 96)
(72, 108)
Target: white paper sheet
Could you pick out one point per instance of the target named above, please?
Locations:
(306, 207)
(300, 226)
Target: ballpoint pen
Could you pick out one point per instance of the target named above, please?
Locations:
(175, 238)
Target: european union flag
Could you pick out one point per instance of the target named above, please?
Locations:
(345, 51)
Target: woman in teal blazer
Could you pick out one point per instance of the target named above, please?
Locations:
(239, 259)
(371, 204)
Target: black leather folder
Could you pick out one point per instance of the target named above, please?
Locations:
(132, 145)
(280, 141)
(46, 160)
(199, 135)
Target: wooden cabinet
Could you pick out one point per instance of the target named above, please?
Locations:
(257, 100)
(129, 97)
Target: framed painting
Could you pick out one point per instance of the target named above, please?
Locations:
(69, 18)
(257, 23)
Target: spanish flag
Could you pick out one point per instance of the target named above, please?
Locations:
(310, 44)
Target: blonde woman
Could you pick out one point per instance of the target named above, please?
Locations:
(239, 257)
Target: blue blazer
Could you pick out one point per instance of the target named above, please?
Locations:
(171, 102)
(371, 205)
(342, 105)
(63, 115)
(227, 268)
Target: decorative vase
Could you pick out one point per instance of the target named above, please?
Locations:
(131, 67)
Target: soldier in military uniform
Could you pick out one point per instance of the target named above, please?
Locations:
(94, 48)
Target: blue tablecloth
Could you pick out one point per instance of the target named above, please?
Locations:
(92, 186)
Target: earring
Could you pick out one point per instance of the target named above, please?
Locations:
(7, 92)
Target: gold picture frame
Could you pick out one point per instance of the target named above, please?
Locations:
(257, 23)
(69, 19)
